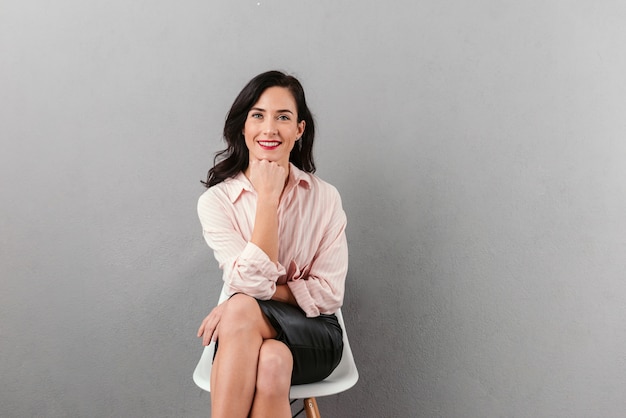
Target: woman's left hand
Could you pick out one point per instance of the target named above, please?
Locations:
(210, 325)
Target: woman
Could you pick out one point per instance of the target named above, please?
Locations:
(278, 234)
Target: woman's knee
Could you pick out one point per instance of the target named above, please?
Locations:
(240, 305)
(241, 308)
(243, 315)
(274, 369)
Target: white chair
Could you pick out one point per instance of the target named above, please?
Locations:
(342, 378)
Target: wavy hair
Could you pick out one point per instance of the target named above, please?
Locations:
(235, 158)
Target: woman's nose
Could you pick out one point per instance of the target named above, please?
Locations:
(270, 127)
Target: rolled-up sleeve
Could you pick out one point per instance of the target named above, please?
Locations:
(252, 273)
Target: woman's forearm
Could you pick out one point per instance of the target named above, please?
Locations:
(265, 232)
(265, 236)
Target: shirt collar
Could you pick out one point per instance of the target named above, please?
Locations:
(235, 186)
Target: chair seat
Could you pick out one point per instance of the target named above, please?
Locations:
(342, 378)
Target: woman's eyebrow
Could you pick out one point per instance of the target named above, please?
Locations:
(258, 109)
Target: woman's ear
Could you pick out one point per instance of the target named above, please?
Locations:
(301, 126)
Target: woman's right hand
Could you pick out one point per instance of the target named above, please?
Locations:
(210, 325)
(268, 178)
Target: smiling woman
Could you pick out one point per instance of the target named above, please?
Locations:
(285, 277)
(272, 127)
(235, 157)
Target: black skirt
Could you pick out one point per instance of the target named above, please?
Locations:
(316, 344)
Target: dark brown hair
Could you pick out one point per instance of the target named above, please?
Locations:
(235, 158)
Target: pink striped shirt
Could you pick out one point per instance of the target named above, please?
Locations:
(313, 252)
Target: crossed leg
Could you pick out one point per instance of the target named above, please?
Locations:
(251, 374)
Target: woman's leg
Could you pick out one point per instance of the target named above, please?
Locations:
(273, 380)
(242, 330)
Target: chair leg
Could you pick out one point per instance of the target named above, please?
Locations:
(310, 408)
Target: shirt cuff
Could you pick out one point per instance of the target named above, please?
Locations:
(254, 274)
(256, 256)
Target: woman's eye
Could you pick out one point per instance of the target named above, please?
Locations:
(283, 117)
(256, 115)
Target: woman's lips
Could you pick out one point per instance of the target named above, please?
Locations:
(269, 144)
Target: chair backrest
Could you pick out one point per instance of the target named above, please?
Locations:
(342, 378)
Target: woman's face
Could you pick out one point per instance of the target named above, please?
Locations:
(272, 126)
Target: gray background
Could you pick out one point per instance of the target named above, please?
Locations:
(479, 148)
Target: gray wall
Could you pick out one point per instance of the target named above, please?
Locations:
(479, 148)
